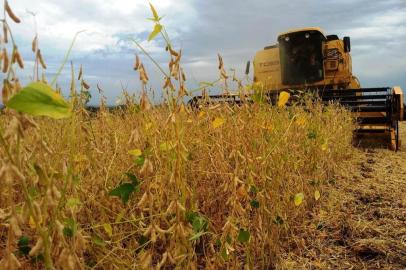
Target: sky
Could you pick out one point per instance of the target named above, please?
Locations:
(234, 28)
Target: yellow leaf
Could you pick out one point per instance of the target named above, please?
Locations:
(283, 99)
(299, 199)
(135, 152)
(242, 192)
(268, 127)
(317, 195)
(154, 13)
(218, 122)
(323, 214)
(166, 146)
(201, 114)
(109, 230)
(324, 146)
(189, 121)
(301, 121)
(258, 86)
(148, 126)
(120, 216)
(80, 158)
(182, 108)
(156, 31)
(32, 223)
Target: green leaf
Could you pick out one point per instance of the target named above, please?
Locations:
(278, 220)
(86, 96)
(253, 189)
(39, 99)
(75, 179)
(224, 254)
(133, 178)
(197, 235)
(42, 178)
(70, 227)
(37, 259)
(108, 229)
(148, 151)
(243, 236)
(190, 216)
(23, 245)
(33, 192)
(23, 241)
(154, 13)
(315, 182)
(228, 239)
(199, 224)
(139, 161)
(123, 191)
(73, 202)
(312, 135)
(155, 32)
(68, 232)
(143, 240)
(254, 204)
(98, 241)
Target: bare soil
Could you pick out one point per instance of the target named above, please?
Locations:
(361, 222)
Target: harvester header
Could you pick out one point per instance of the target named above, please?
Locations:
(308, 60)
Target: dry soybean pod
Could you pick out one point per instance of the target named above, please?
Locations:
(19, 59)
(5, 32)
(137, 62)
(80, 72)
(5, 91)
(85, 85)
(34, 44)
(41, 60)
(6, 60)
(13, 55)
(11, 13)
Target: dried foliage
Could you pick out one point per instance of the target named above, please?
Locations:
(204, 196)
(157, 187)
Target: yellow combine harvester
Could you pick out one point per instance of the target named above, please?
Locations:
(307, 59)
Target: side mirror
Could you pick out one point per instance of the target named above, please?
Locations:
(247, 68)
(347, 44)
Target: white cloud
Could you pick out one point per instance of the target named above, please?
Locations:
(103, 20)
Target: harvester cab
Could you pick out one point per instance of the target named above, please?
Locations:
(307, 60)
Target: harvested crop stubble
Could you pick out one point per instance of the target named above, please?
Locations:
(218, 191)
(362, 225)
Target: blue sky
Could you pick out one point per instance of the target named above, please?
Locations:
(234, 28)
